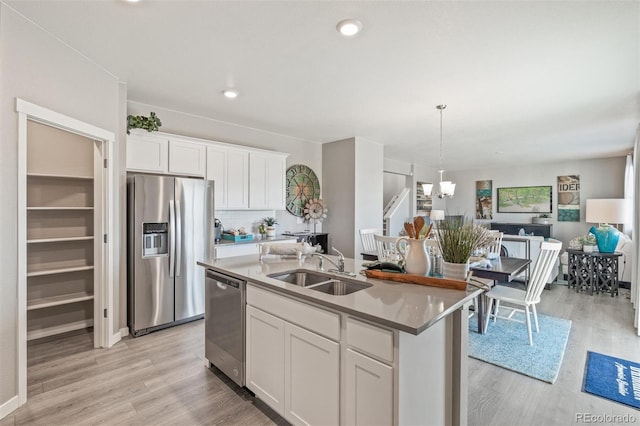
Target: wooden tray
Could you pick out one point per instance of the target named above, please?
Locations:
(416, 279)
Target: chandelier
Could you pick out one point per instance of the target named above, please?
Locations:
(446, 187)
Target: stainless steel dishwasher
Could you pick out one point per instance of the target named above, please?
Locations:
(224, 324)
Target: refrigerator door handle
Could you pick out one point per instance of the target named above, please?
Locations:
(178, 239)
(172, 238)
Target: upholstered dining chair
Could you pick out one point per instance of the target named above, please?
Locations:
(368, 243)
(529, 298)
(385, 246)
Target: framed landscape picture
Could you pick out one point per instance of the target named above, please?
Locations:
(525, 199)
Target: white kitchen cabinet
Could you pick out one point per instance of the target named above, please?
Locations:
(229, 169)
(187, 158)
(311, 359)
(265, 357)
(267, 180)
(297, 370)
(369, 390)
(147, 153)
(237, 178)
(163, 153)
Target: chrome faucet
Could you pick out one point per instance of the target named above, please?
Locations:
(339, 265)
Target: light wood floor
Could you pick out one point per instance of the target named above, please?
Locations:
(161, 379)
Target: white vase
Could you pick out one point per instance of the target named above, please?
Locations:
(271, 231)
(414, 252)
(455, 271)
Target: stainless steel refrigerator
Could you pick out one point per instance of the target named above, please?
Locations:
(169, 229)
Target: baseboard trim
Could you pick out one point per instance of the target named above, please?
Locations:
(124, 332)
(9, 407)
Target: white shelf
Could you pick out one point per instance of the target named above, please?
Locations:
(58, 208)
(64, 299)
(58, 271)
(45, 332)
(58, 240)
(56, 176)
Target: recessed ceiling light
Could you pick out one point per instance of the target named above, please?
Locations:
(230, 93)
(349, 27)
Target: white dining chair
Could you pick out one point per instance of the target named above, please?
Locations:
(386, 247)
(496, 245)
(529, 298)
(368, 243)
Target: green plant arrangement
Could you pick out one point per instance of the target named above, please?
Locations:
(588, 240)
(459, 238)
(270, 221)
(149, 124)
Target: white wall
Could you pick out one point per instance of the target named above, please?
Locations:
(41, 70)
(352, 170)
(599, 178)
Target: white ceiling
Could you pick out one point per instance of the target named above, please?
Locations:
(527, 81)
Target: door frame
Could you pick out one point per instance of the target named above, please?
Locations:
(104, 335)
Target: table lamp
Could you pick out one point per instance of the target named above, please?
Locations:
(606, 212)
(436, 215)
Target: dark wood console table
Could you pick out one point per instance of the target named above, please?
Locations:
(593, 271)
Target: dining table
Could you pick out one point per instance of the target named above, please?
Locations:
(503, 269)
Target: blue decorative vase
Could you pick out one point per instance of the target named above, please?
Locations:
(607, 238)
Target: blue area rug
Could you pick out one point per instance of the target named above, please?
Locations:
(613, 378)
(506, 345)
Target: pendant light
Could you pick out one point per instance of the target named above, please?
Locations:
(446, 188)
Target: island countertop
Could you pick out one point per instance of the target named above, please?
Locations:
(406, 307)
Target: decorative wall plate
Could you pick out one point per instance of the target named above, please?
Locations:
(315, 211)
(302, 186)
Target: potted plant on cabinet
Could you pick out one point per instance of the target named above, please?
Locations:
(588, 243)
(458, 239)
(149, 124)
(271, 223)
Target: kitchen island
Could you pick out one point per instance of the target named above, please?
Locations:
(390, 353)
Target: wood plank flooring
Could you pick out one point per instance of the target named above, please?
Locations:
(161, 379)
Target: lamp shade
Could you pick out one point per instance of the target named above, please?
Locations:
(608, 210)
(436, 215)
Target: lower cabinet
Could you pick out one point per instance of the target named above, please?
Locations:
(293, 370)
(265, 357)
(311, 377)
(369, 390)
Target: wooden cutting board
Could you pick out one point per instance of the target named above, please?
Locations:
(416, 279)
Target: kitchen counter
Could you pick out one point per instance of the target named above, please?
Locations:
(406, 307)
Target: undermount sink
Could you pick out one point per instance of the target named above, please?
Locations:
(321, 282)
(302, 278)
(339, 288)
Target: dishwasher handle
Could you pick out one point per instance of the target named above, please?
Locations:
(224, 280)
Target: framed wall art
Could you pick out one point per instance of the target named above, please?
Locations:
(525, 199)
(569, 198)
(484, 199)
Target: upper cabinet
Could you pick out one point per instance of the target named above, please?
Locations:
(147, 153)
(229, 169)
(267, 180)
(243, 178)
(187, 158)
(162, 153)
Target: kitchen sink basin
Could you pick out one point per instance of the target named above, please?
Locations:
(319, 281)
(301, 278)
(339, 288)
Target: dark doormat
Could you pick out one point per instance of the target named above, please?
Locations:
(612, 378)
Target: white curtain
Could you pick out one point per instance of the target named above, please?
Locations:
(629, 177)
(635, 278)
